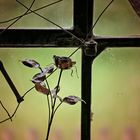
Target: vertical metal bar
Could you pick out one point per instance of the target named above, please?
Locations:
(83, 16)
(86, 95)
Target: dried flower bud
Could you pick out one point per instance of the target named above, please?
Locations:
(72, 100)
(38, 78)
(40, 87)
(31, 63)
(63, 62)
(48, 69)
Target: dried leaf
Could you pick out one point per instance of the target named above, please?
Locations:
(48, 69)
(55, 91)
(63, 62)
(136, 6)
(40, 87)
(72, 100)
(38, 78)
(31, 63)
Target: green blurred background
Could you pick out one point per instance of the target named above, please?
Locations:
(115, 77)
(33, 112)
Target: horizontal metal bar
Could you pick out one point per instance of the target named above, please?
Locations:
(32, 36)
(126, 41)
(58, 38)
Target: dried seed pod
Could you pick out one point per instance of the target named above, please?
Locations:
(48, 69)
(72, 100)
(40, 87)
(55, 91)
(63, 62)
(31, 63)
(136, 6)
(38, 78)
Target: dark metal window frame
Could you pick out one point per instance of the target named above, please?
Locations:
(83, 20)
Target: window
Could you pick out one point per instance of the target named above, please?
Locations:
(115, 94)
(33, 113)
(54, 38)
(54, 10)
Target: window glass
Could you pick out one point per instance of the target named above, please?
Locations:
(61, 13)
(119, 19)
(115, 95)
(32, 114)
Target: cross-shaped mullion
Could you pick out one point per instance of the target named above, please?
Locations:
(82, 23)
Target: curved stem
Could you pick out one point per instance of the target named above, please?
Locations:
(28, 91)
(6, 110)
(57, 108)
(11, 115)
(48, 101)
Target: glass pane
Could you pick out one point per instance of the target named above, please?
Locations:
(115, 95)
(31, 118)
(119, 19)
(57, 12)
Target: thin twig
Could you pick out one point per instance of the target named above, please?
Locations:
(11, 115)
(6, 111)
(53, 23)
(18, 18)
(48, 101)
(99, 17)
(57, 108)
(92, 28)
(28, 91)
(38, 9)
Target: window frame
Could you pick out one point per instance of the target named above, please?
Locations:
(83, 11)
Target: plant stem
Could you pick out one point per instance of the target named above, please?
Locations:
(57, 88)
(53, 107)
(50, 123)
(57, 108)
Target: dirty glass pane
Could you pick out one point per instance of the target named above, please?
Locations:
(31, 119)
(61, 13)
(119, 19)
(115, 95)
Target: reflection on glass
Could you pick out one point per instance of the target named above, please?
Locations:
(30, 122)
(115, 94)
(119, 19)
(57, 12)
